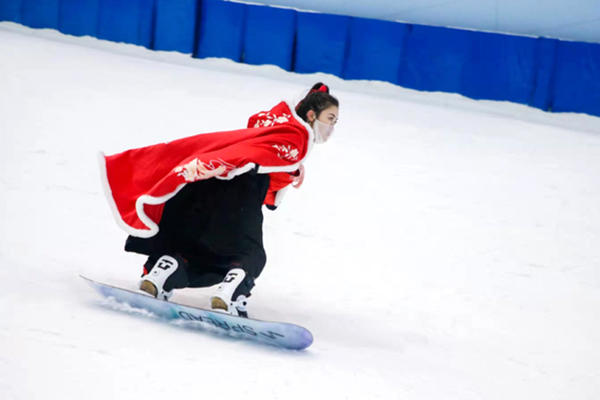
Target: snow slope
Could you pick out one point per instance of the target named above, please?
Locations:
(440, 248)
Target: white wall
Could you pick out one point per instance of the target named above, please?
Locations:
(563, 19)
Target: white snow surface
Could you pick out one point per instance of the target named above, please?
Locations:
(440, 248)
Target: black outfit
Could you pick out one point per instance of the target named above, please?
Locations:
(215, 226)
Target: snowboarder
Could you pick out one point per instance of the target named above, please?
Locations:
(194, 206)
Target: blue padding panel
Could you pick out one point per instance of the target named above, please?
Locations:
(475, 64)
(10, 10)
(577, 84)
(500, 67)
(79, 17)
(434, 59)
(375, 50)
(269, 36)
(221, 28)
(146, 23)
(40, 13)
(546, 55)
(321, 43)
(128, 21)
(175, 25)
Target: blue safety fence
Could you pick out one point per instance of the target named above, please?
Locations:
(321, 42)
(544, 68)
(577, 81)
(475, 64)
(499, 67)
(175, 25)
(11, 10)
(269, 36)
(79, 17)
(40, 13)
(548, 74)
(127, 21)
(221, 28)
(376, 49)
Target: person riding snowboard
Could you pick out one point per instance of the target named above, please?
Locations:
(194, 205)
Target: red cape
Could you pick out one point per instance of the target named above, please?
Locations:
(138, 182)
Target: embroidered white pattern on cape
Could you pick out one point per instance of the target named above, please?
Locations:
(287, 152)
(197, 170)
(268, 119)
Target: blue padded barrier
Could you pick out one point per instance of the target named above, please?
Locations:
(40, 13)
(546, 54)
(221, 27)
(321, 41)
(475, 64)
(175, 27)
(127, 21)
(577, 81)
(545, 73)
(499, 67)
(375, 50)
(433, 59)
(146, 23)
(79, 17)
(10, 10)
(269, 36)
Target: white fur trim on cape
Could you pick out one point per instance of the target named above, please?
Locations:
(237, 172)
(139, 204)
(279, 196)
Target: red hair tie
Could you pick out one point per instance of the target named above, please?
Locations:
(321, 89)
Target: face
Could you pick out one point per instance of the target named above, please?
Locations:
(328, 116)
(323, 124)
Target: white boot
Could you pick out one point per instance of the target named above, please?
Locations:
(223, 301)
(153, 282)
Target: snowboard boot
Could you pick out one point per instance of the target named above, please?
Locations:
(231, 295)
(166, 274)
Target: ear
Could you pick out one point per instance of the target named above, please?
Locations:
(311, 116)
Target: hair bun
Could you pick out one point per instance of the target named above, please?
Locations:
(317, 99)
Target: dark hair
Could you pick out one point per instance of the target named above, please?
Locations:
(317, 99)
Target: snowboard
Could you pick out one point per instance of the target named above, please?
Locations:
(279, 334)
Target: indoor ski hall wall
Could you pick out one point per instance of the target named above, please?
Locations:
(550, 74)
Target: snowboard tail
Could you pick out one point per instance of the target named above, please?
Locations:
(279, 334)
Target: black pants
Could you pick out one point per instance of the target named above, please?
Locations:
(215, 225)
